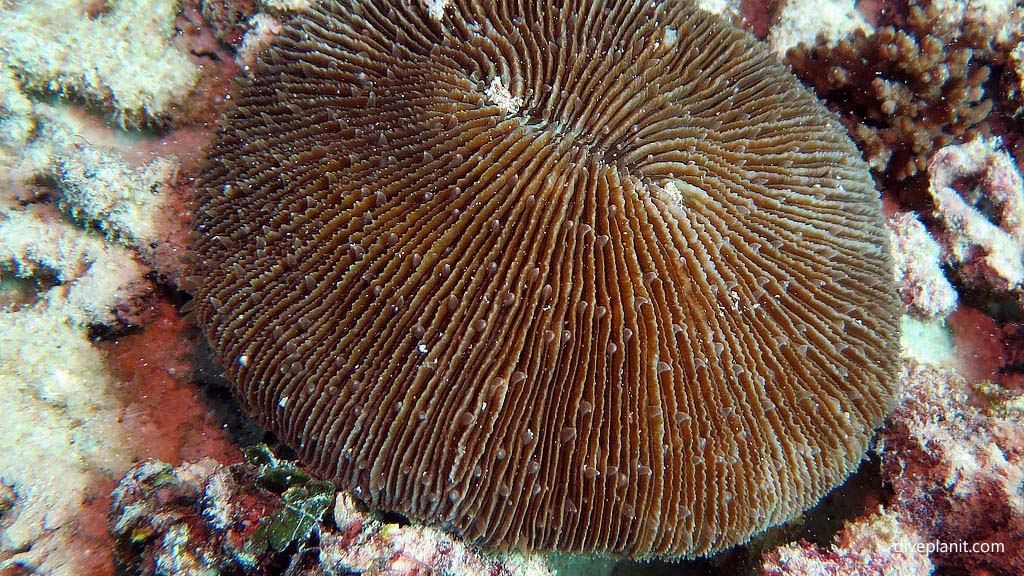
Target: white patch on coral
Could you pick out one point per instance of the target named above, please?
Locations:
(500, 96)
(121, 58)
(727, 8)
(262, 30)
(265, 25)
(927, 341)
(804, 20)
(680, 192)
(436, 8)
(669, 37)
(674, 192)
(286, 6)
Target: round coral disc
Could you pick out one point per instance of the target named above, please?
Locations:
(588, 276)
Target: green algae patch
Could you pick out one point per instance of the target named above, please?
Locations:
(305, 502)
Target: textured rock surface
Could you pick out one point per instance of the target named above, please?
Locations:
(925, 290)
(954, 456)
(979, 199)
(83, 212)
(120, 59)
(953, 462)
(206, 518)
(877, 545)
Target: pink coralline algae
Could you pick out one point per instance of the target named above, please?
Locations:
(954, 457)
(877, 545)
(979, 199)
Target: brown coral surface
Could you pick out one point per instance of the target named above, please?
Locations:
(595, 277)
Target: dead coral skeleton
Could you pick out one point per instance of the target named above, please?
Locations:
(979, 199)
(923, 286)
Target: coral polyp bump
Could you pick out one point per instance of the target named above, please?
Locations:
(588, 276)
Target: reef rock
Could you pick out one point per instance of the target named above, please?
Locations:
(266, 515)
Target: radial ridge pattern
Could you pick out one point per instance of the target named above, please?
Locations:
(587, 275)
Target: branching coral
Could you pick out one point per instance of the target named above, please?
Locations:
(915, 84)
(120, 59)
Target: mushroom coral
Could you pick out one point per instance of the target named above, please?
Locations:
(587, 276)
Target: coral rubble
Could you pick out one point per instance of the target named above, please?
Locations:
(366, 545)
(61, 426)
(61, 438)
(255, 518)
